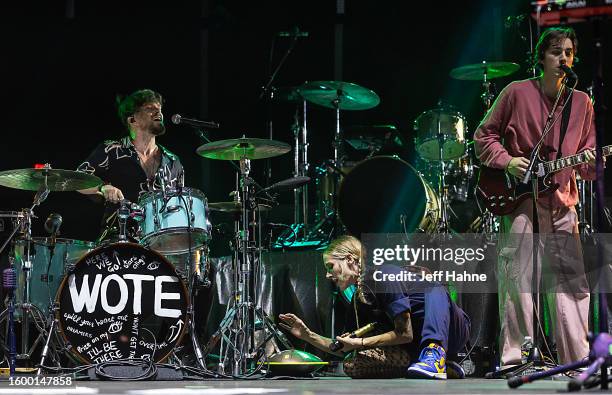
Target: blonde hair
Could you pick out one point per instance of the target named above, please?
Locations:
(343, 247)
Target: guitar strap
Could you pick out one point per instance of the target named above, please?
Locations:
(564, 122)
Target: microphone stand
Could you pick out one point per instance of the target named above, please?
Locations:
(268, 92)
(535, 358)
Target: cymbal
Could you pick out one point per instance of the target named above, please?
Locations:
(233, 207)
(247, 148)
(56, 179)
(347, 95)
(476, 72)
(368, 137)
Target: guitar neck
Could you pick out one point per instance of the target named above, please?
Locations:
(570, 161)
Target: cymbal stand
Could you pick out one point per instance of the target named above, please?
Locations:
(338, 160)
(301, 168)
(24, 224)
(487, 95)
(443, 223)
(237, 329)
(490, 223)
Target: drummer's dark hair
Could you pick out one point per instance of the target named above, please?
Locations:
(550, 36)
(130, 104)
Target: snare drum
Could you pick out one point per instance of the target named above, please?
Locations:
(175, 221)
(384, 194)
(44, 283)
(122, 301)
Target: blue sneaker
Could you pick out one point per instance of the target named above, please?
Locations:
(431, 365)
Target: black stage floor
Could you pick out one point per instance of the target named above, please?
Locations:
(339, 385)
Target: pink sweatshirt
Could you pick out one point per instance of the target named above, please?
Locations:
(515, 123)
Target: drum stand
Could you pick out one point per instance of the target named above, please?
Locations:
(29, 312)
(237, 329)
(443, 225)
(301, 167)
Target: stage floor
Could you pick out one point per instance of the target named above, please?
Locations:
(305, 386)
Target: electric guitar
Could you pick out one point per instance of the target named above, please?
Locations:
(502, 193)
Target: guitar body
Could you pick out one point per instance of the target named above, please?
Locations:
(501, 193)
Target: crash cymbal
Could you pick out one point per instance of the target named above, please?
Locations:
(476, 72)
(233, 207)
(56, 179)
(247, 148)
(347, 95)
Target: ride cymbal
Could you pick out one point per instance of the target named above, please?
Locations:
(344, 95)
(476, 72)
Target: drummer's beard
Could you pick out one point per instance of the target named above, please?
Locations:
(157, 128)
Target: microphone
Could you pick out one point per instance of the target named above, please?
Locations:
(53, 223)
(337, 344)
(571, 75)
(177, 119)
(294, 33)
(9, 281)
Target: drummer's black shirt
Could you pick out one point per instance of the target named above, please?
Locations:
(118, 164)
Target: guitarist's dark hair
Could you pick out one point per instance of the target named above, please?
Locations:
(550, 36)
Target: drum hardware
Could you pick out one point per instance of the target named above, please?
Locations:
(238, 349)
(42, 180)
(9, 281)
(301, 166)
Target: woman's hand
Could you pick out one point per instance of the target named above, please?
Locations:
(350, 343)
(294, 325)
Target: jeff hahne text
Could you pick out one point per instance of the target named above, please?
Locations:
(406, 255)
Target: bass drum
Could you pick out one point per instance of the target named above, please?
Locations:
(122, 301)
(385, 194)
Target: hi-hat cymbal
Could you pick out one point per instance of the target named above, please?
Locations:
(476, 72)
(233, 207)
(247, 148)
(344, 95)
(56, 179)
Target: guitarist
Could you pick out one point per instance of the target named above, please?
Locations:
(504, 140)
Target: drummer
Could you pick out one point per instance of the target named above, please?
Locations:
(135, 164)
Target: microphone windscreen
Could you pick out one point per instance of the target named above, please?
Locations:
(176, 119)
